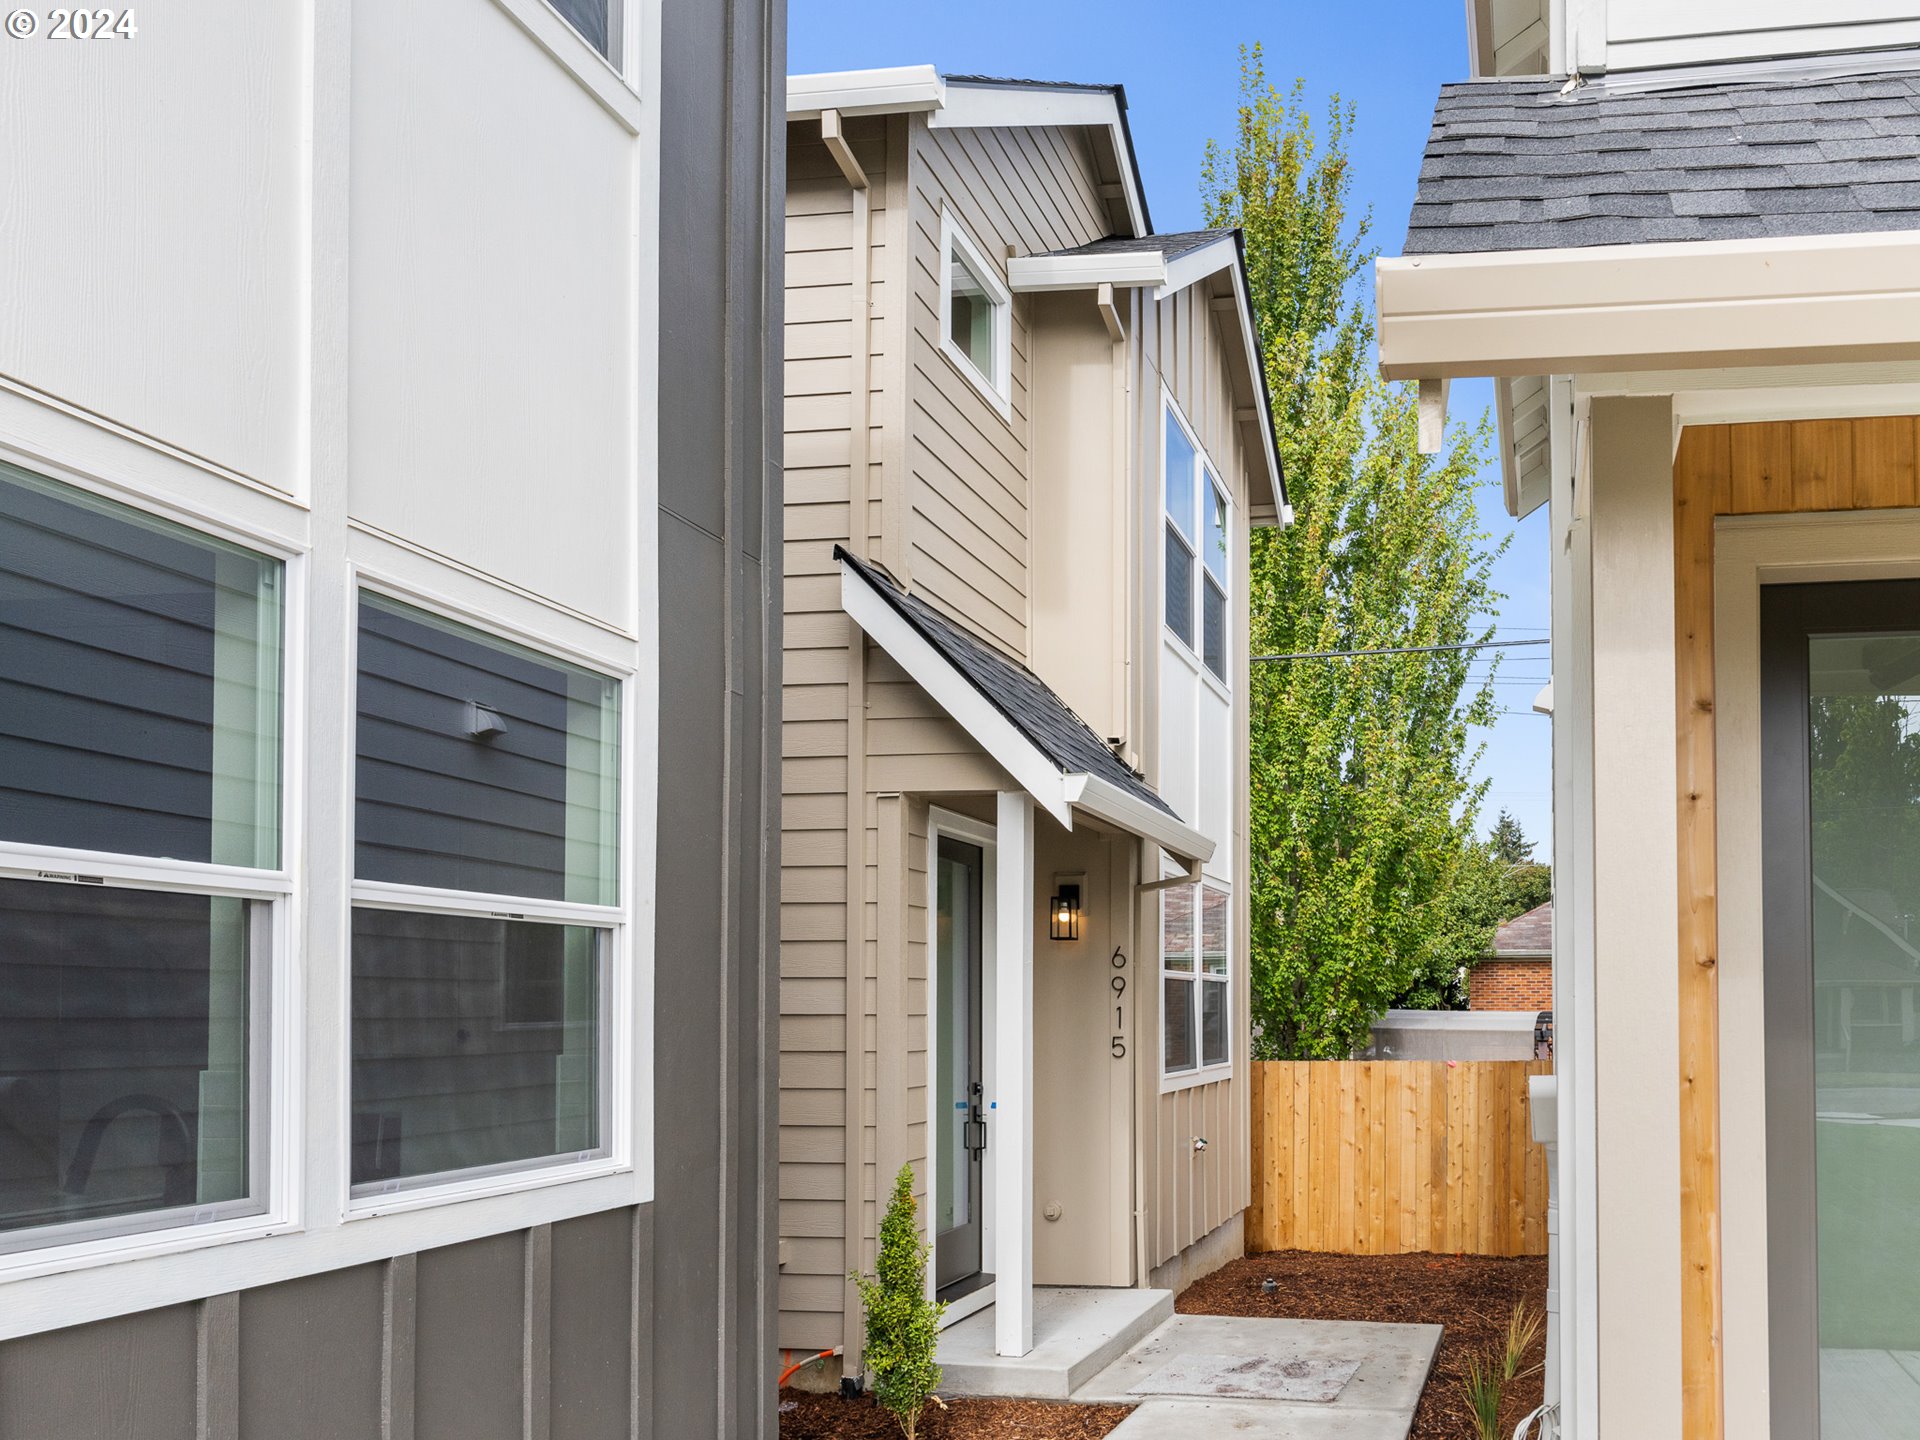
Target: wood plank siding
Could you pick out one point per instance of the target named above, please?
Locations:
(1767, 468)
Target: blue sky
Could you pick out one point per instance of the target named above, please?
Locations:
(1180, 60)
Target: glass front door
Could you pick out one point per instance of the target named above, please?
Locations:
(959, 1075)
(1841, 747)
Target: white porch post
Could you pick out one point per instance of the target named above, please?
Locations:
(1011, 1132)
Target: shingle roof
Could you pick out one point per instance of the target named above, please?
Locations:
(1528, 934)
(1514, 165)
(1173, 245)
(1026, 700)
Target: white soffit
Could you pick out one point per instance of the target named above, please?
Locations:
(1059, 793)
(1680, 306)
(895, 91)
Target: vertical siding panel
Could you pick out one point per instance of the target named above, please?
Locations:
(1884, 474)
(398, 1288)
(217, 1368)
(536, 1334)
(310, 1356)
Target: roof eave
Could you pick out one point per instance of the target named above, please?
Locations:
(898, 90)
(1672, 306)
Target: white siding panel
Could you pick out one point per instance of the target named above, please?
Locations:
(155, 278)
(516, 458)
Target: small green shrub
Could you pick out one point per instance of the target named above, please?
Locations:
(903, 1326)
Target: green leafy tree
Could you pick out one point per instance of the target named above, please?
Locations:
(1509, 841)
(1363, 805)
(903, 1325)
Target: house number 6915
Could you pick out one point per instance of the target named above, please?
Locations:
(1119, 984)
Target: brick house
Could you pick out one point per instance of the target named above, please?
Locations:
(1517, 973)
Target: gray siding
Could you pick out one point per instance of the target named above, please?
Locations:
(529, 1335)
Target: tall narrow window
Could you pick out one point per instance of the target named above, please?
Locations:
(1182, 459)
(1177, 979)
(486, 854)
(976, 314)
(1196, 924)
(1213, 605)
(140, 705)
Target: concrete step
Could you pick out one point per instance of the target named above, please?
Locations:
(1077, 1333)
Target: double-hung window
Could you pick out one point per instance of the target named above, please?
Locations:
(1199, 528)
(976, 315)
(486, 911)
(1196, 927)
(142, 882)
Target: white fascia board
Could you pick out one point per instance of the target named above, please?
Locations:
(900, 90)
(1256, 366)
(955, 694)
(1029, 273)
(1676, 305)
(1106, 801)
(976, 107)
(1197, 265)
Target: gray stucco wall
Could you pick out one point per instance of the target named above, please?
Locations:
(638, 1322)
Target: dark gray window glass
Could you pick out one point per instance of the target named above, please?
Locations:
(139, 682)
(1179, 586)
(483, 766)
(1179, 1023)
(1213, 1023)
(124, 1065)
(598, 22)
(476, 1044)
(1214, 627)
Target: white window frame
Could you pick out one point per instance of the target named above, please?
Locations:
(612, 80)
(614, 1155)
(998, 387)
(274, 1156)
(1206, 481)
(1200, 1072)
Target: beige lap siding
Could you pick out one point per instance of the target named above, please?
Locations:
(822, 329)
(966, 467)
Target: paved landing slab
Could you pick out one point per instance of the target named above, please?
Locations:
(1280, 1376)
(1257, 1420)
(1323, 1379)
(1077, 1333)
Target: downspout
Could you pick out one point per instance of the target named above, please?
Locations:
(859, 433)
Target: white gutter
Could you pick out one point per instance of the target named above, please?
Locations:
(1059, 793)
(1677, 305)
(865, 92)
(1029, 274)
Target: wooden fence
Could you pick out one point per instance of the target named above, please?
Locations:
(1387, 1157)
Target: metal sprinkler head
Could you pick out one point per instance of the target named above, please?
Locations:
(1269, 1286)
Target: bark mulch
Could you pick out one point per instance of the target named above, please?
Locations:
(805, 1416)
(1471, 1295)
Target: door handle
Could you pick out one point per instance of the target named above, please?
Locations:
(973, 1133)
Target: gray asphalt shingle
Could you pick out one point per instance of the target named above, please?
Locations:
(1517, 165)
(1026, 700)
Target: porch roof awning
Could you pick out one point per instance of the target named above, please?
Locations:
(1013, 715)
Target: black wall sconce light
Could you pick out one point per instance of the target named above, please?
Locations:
(1063, 913)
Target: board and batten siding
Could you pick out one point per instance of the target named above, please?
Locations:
(533, 1332)
(1014, 191)
(1180, 343)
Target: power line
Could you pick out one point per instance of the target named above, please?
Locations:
(1399, 650)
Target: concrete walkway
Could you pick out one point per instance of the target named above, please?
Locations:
(1202, 1377)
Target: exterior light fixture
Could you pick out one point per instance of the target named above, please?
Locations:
(1063, 914)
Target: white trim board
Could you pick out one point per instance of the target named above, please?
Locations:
(1059, 793)
(1678, 305)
